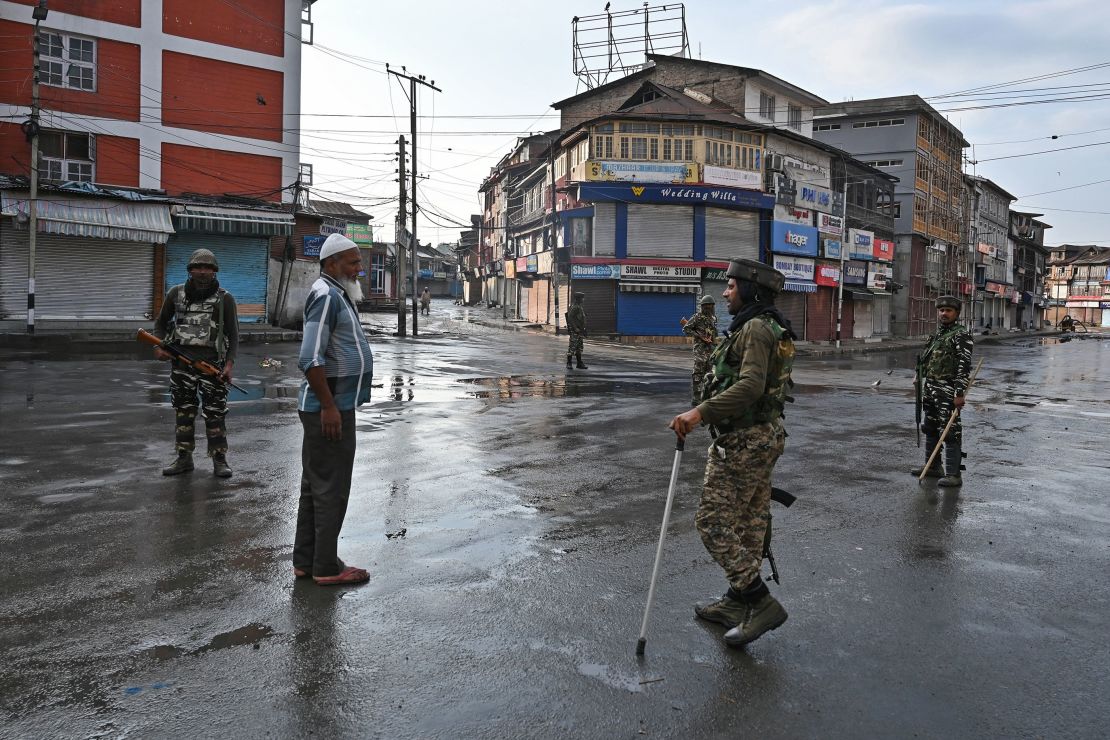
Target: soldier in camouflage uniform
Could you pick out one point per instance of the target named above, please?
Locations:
(703, 328)
(744, 400)
(200, 318)
(945, 367)
(576, 325)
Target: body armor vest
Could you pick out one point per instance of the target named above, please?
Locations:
(771, 404)
(940, 360)
(193, 325)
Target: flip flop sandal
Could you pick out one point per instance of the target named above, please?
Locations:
(346, 577)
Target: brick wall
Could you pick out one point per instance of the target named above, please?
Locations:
(221, 97)
(124, 12)
(255, 25)
(189, 169)
(117, 161)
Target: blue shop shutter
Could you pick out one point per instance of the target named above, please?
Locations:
(244, 268)
(653, 314)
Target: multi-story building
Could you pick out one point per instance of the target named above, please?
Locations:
(908, 138)
(1030, 254)
(1058, 279)
(663, 176)
(990, 256)
(153, 102)
(1089, 287)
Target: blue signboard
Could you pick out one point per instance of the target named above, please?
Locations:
(678, 194)
(855, 272)
(533, 263)
(425, 273)
(832, 248)
(312, 245)
(796, 239)
(595, 272)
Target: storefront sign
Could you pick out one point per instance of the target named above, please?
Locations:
(732, 178)
(685, 195)
(794, 268)
(792, 215)
(879, 275)
(831, 248)
(522, 264)
(993, 287)
(595, 272)
(677, 172)
(826, 274)
(510, 269)
(861, 244)
(425, 273)
(333, 226)
(883, 250)
(855, 272)
(312, 245)
(715, 273)
(789, 238)
(660, 272)
(360, 233)
(830, 224)
(545, 262)
(800, 194)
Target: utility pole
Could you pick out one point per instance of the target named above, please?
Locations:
(400, 265)
(554, 229)
(413, 82)
(843, 248)
(505, 250)
(31, 129)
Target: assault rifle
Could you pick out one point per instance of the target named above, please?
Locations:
(703, 337)
(918, 381)
(200, 366)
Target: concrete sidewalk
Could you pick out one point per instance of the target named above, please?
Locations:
(61, 334)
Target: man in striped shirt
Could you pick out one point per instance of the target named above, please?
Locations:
(338, 366)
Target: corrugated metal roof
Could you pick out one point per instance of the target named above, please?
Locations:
(335, 208)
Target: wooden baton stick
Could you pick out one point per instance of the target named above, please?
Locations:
(951, 420)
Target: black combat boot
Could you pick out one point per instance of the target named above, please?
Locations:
(935, 470)
(953, 461)
(764, 613)
(569, 366)
(581, 365)
(728, 610)
(220, 468)
(183, 463)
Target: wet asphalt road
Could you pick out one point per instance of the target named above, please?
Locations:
(140, 606)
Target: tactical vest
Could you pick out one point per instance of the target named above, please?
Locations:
(940, 361)
(772, 404)
(192, 323)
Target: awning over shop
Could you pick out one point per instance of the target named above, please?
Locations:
(876, 291)
(232, 221)
(660, 287)
(94, 218)
(859, 294)
(801, 286)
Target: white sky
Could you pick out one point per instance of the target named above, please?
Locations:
(513, 59)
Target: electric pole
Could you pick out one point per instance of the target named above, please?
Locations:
(31, 130)
(400, 265)
(413, 82)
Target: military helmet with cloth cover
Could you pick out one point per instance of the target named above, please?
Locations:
(707, 300)
(203, 257)
(949, 301)
(764, 276)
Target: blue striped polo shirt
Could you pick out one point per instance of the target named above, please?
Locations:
(334, 339)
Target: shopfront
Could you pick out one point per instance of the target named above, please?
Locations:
(598, 284)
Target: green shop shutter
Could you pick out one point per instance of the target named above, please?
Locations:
(244, 268)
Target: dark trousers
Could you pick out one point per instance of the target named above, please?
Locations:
(326, 467)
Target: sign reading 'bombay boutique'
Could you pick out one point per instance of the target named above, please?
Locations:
(794, 268)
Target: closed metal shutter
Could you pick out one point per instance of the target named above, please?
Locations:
(731, 234)
(76, 278)
(880, 315)
(564, 303)
(716, 288)
(244, 263)
(821, 315)
(525, 297)
(862, 328)
(661, 231)
(605, 229)
(652, 314)
(537, 301)
(793, 307)
(600, 304)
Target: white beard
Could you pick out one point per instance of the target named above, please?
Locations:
(353, 289)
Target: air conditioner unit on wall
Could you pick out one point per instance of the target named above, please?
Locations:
(773, 161)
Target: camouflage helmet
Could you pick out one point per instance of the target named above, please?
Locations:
(762, 275)
(204, 257)
(707, 300)
(949, 301)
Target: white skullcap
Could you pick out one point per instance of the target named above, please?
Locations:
(334, 244)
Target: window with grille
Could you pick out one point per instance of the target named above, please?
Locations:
(794, 117)
(65, 156)
(766, 106)
(67, 61)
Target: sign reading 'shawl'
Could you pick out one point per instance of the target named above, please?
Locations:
(794, 268)
(830, 224)
(595, 272)
(787, 238)
(660, 272)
